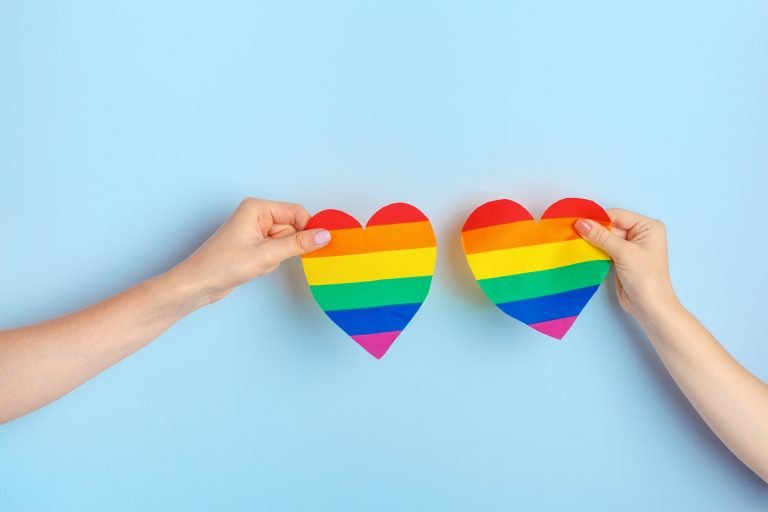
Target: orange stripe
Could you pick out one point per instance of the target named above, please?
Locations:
(519, 234)
(386, 237)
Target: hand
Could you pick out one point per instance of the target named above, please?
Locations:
(638, 247)
(71, 349)
(732, 401)
(252, 242)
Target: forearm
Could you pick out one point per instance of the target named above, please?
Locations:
(42, 362)
(732, 401)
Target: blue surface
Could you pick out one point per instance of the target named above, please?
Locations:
(129, 130)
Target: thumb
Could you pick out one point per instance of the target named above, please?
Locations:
(602, 238)
(299, 243)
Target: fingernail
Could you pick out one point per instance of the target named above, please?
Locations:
(583, 226)
(322, 237)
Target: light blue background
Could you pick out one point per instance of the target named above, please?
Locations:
(130, 130)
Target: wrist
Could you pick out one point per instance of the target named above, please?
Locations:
(658, 309)
(182, 294)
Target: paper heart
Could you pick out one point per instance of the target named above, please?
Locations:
(372, 281)
(541, 273)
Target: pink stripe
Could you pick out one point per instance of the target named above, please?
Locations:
(377, 344)
(555, 328)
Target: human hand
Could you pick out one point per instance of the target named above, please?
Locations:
(254, 241)
(73, 348)
(638, 247)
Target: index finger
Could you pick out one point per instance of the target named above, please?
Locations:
(289, 213)
(278, 212)
(624, 219)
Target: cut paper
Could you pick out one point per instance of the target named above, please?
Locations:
(541, 273)
(371, 281)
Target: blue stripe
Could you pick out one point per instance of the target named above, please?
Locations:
(373, 320)
(549, 307)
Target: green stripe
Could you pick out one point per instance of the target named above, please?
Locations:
(384, 292)
(545, 282)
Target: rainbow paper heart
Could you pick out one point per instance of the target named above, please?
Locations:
(372, 281)
(542, 273)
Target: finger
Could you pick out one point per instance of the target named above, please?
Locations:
(624, 219)
(600, 237)
(281, 230)
(289, 213)
(297, 244)
(621, 233)
(276, 212)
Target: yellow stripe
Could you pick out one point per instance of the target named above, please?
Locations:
(533, 258)
(355, 268)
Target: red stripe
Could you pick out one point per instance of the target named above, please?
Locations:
(575, 207)
(397, 213)
(332, 219)
(501, 211)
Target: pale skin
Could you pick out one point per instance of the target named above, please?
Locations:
(261, 234)
(732, 401)
(40, 363)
